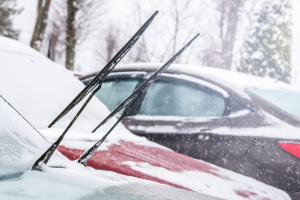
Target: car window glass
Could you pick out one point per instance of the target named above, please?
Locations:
(114, 92)
(285, 100)
(236, 104)
(176, 99)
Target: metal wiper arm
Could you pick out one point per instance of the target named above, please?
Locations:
(89, 153)
(105, 71)
(47, 155)
(132, 98)
(97, 81)
(145, 84)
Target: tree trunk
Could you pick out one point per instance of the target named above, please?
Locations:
(41, 23)
(228, 41)
(71, 35)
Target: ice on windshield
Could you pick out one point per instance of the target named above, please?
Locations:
(287, 101)
(20, 143)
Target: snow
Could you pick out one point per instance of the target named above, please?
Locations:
(169, 118)
(39, 89)
(83, 138)
(230, 79)
(239, 113)
(45, 89)
(277, 129)
(211, 184)
(88, 184)
(35, 86)
(20, 144)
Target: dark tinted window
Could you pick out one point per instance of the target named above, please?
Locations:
(176, 99)
(236, 104)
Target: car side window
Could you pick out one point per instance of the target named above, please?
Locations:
(185, 100)
(114, 92)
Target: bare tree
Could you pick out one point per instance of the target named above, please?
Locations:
(184, 21)
(54, 42)
(72, 9)
(111, 41)
(221, 55)
(164, 36)
(105, 51)
(41, 23)
(7, 12)
(142, 53)
(79, 24)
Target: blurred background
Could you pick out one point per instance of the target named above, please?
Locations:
(259, 37)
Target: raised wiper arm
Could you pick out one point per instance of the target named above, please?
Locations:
(130, 102)
(97, 81)
(105, 71)
(89, 153)
(140, 89)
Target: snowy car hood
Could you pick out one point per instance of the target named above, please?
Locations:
(32, 91)
(40, 89)
(21, 144)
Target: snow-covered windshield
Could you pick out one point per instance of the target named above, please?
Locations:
(287, 101)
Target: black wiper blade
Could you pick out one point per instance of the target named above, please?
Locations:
(140, 89)
(105, 71)
(130, 100)
(97, 81)
(89, 153)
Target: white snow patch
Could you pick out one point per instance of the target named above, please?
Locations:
(20, 144)
(277, 129)
(231, 79)
(87, 183)
(80, 140)
(238, 113)
(41, 89)
(171, 118)
(211, 184)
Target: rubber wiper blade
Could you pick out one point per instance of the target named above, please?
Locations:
(105, 71)
(143, 87)
(130, 102)
(93, 87)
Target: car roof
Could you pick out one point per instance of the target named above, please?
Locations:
(235, 82)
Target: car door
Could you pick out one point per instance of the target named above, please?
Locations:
(177, 106)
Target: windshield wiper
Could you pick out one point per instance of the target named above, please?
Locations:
(97, 80)
(93, 87)
(129, 102)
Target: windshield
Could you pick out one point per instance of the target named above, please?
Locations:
(287, 101)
